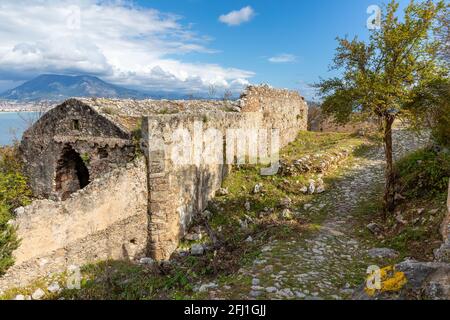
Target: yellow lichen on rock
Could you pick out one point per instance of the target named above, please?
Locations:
(390, 281)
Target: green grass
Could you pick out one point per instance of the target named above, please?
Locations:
(424, 172)
(422, 178)
(309, 142)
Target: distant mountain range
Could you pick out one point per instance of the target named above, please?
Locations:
(61, 87)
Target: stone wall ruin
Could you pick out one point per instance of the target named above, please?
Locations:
(114, 204)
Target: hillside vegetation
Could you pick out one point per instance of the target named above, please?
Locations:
(14, 192)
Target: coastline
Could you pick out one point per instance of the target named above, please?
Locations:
(19, 110)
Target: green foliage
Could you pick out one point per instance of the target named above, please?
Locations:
(431, 106)
(8, 160)
(109, 110)
(86, 158)
(378, 76)
(424, 172)
(8, 240)
(382, 77)
(14, 192)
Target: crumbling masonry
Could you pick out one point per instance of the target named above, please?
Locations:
(102, 199)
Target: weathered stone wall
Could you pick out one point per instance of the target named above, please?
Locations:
(131, 208)
(106, 220)
(177, 192)
(101, 144)
(282, 109)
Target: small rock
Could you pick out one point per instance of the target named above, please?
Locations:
(286, 202)
(399, 219)
(197, 250)
(374, 228)
(255, 294)
(320, 189)
(19, 211)
(312, 186)
(222, 192)
(207, 286)
(300, 295)
(306, 206)
(54, 287)
(287, 214)
(193, 236)
(247, 205)
(286, 292)
(384, 253)
(420, 210)
(243, 224)
(249, 239)
(267, 269)
(255, 281)
(304, 189)
(257, 188)
(38, 294)
(347, 291)
(19, 297)
(398, 196)
(206, 214)
(271, 289)
(146, 261)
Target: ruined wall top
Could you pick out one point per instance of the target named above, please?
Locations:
(127, 113)
(256, 98)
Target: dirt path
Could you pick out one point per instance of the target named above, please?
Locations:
(328, 263)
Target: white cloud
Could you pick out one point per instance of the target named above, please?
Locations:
(237, 17)
(283, 58)
(116, 40)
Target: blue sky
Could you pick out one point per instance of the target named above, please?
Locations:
(179, 45)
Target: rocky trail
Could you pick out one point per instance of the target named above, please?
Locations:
(327, 263)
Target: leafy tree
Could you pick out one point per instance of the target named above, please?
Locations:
(381, 77)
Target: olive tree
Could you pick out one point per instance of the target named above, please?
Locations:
(380, 77)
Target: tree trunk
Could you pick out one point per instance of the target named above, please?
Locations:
(389, 190)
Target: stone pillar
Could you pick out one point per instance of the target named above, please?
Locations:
(163, 225)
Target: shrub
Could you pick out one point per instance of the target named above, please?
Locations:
(441, 128)
(8, 239)
(424, 172)
(14, 192)
(9, 160)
